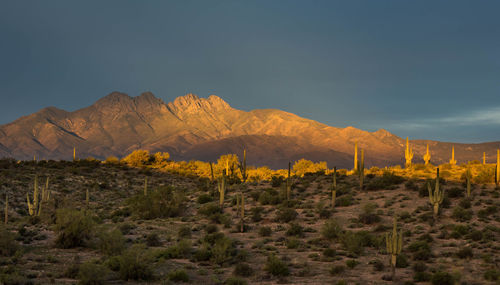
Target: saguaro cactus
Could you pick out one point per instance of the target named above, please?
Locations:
(46, 191)
(436, 197)
(355, 156)
(452, 160)
(427, 156)
(212, 177)
(74, 153)
(289, 183)
(334, 186)
(243, 167)
(468, 177)
(408, 153)
(87, 198)
(34, 208)
(484, 158)
(361, 169)
(394, 243)
(221, 186)
(497, 170)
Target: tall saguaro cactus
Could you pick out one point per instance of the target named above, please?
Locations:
(452, 160)
(427, 156)
(355, 156)
(35, 207)
(408, 153)
(497, 170)
(484, 158)
(289, 183)
(243, 167)
(394, 244)
(361, 169)
(334, 186)
(435, 197)
(468, 178)
(74, 153)
(221, 186)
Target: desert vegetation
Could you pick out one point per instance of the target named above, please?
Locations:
(146, 218)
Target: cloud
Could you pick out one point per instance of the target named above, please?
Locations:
(484, 117)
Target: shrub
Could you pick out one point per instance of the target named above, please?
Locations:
(111, 242)
(138, 158)
(442, 278)
(377, 265)
(8, 245)
(164, 202)
(465, 252)
(351, 263)
(74, 228)
(337, 269)
(135, 263)
(286, 215)
(344, 200)
(401, 261)
(179, 275)
(185, 232)
(223, 250)
(492, 275)
(235, 281)
(421, 250)
(387, 181)
(295, 230)
(180, 250)
(265, 231)
(276, 267)
(91, 273)
(455, 192)
(329, 252)
(243, 269)
(331, 229)
(153, 239)
(461, 215)
(257, 214)
(368, 215)
(205, 198)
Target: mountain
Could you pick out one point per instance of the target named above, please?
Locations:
(205, 128)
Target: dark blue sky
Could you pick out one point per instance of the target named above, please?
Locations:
(424, 69)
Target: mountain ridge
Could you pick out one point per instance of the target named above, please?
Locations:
(191, 127)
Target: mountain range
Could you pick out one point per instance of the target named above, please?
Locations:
(205, 128)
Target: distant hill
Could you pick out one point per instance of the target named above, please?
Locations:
(197, 128)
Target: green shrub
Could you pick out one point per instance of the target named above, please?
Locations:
(461, 215)
(402, 261)
(344, 201)
(337, 269)
(163, 202)
(205, 198)
(295, 229)
(387, 181)
(465, 252)
(243, 269)
(329, 252)
(111, 242)
(331, 229)
(235, 281)
(351, 263)
(265, 231)
(74, 228)
(442, 278)
(276, 267)
(8, 245)
(257, 214)
(421, 250)
(286, 215)
(184, 232)
(377, 265)
(368, 215)
(135, 263)
(223, 251)
(492, 275)
(179, 275)
(91, 273)
(180, 250)
(209, 209)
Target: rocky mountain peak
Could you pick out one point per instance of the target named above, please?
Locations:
(191, 104)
